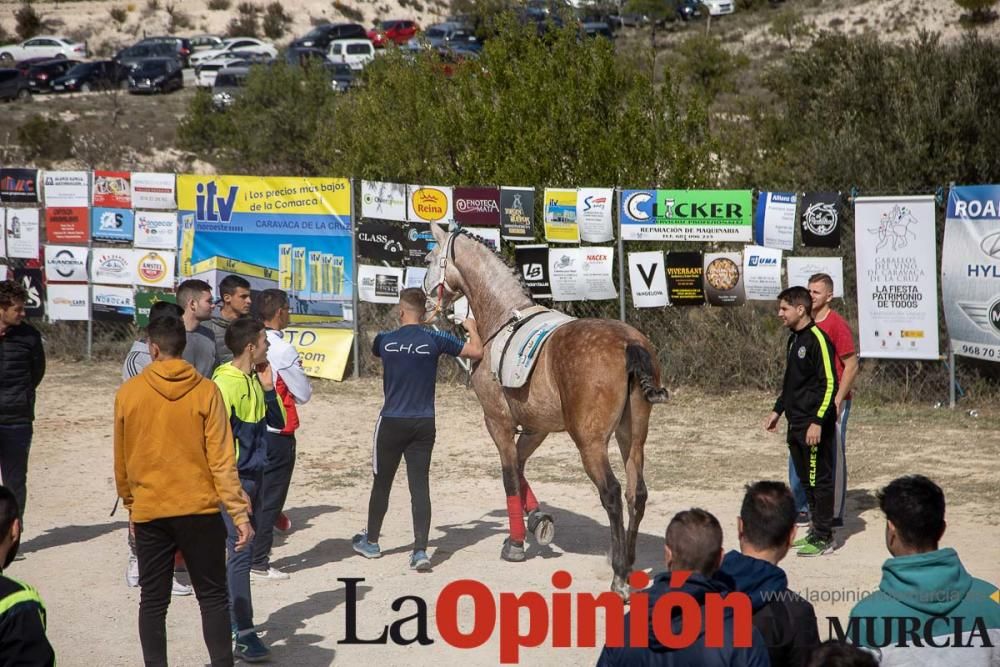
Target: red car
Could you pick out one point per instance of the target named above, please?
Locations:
(396, 32)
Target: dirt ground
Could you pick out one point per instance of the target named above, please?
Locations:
(700, 452)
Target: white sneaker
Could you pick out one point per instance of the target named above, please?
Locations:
(180, 589)
(132, 571)
(272, 573)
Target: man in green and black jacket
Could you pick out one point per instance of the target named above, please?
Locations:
(806, 400)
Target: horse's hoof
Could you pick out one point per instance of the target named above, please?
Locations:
(542, 526)
(512, 552)
(620, 587)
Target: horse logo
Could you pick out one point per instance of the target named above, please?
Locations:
(894, 227)
(820, 218)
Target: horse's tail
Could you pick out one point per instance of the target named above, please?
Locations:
(639, 366)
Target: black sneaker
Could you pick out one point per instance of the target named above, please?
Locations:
(802, 520)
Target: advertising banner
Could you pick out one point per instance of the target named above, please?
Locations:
(19, 186)
(648, 279)
(477, 206)
(970, 271)
(687, 215)
(386, 201)
(70, 189)
(533, 263)
(593, 212)
(66, 264)
(112, 266)
(821, 219)
(419, 242)
(774, 223)
(156, 229)
(67, 224)
(684, 278)
(154, 191)
(31, 281)
(896, 254)
(324, 352)
(415, 276)
(489, 236)
(112, 224)
(801, 268)
(381, 241)
(724, 279)
(112, 189)
(559, 215)
(598, 268)
(379, 284)
(154, 269)
(22, 233)
(426, 203)
(144, 300)
(113, 304)
(67, 302)
(566, 274)
(272, 231)
(761, 273)
(517, 211)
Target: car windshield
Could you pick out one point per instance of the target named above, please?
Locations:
(81, 69)
(357, 49)
(152, 67)
(436, 33)
(228, 80)
(389, 25)
(316, 33)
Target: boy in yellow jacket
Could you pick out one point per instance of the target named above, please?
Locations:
(174, 467)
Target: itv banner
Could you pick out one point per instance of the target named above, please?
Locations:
(970, 271)
(687, 215)
(289, 233)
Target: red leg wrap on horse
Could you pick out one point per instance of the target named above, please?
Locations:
(528, 499)
(516, 516)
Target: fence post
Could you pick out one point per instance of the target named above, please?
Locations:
(90, 302)
(951, 376)
(356, 323)
(621, 259)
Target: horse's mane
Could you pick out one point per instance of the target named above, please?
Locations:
(513, 270)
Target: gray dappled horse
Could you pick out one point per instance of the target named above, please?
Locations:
(592, 378)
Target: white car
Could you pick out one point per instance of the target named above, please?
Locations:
(44, 46)
(356, 53)
(206, 70)
(720, 7)
(244, 44)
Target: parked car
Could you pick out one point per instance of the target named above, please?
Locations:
(393, 32)
(321, 36)
(13, 85)
(206, 71)
(156, 75)
(25, 65)
(597, 29)
(228, 86)
(439, 33)
(43, 46)
(136, 54)
(247, 44)
(205, 42)
(464, 39)
(85, 77)
(354, 52)
(300, 55)
(182, 44)
(342, 77)
(687, 10)
(720, 7)
(41, 75)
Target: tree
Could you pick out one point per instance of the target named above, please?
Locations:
(29, 22)
(706, 65)
(656, 11)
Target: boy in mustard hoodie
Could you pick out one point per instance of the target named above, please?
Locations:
(247, 387)
(174, 467)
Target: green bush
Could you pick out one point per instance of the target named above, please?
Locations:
(275, 21)
(28, 21)
(44, 138)
(219, 5)
(118, 15)
(245, 23)
(349, 12)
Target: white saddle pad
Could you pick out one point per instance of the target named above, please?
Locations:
(518, 345)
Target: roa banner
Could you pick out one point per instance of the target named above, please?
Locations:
(970, 271)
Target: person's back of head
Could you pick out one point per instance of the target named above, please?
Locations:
(10, 526)
(840, 654)
(694, 542)
(412, 304)
(165, 309)
(767, 519)
(167, 337)
(270, 302)
(914, 508)
(242, 332)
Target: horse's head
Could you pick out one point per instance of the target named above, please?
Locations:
(442, 284)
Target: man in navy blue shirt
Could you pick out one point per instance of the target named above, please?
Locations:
(405, 427)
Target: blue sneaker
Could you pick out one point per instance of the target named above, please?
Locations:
(420, 562)
(364, 547)
(249, 648)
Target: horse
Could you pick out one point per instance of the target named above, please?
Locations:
(593, 378)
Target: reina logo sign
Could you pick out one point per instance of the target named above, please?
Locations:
(429, 204)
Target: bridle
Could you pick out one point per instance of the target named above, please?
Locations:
(448, 253)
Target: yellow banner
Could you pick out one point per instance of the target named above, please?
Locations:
(560, 216)
(257, 194)
(324, 352)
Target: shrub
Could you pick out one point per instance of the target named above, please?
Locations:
(349, 12)
(179, 20)
(980, 11)
(219, 5)
(275, 21)
(245, 23)
(118, 15)
(29, 22)
(45, 138)
(153, 5)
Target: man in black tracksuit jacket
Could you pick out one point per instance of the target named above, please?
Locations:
(806, 399)
(766, 529)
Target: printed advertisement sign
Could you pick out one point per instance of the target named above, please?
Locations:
(31, 281)
(67, 224)
(684, 278)
(153, 191)
(19, 186)
(517, 212)
(428, 203)
(896, 254)
(379, 284)
(22, 233)
(381, 241)
(533, 263)
(970, 271)
(648, 279)
(761, 273)
(112, 189)
(477, 207)
(419, 242)
(801, 268)
(724, 278)
(415, 276)
(593, 213)
(385, 201)
(113, 304)
(112, 266)
(67, 302)
(559, 215)
(821, 218)
(66, 264)
(144, 300)
(566, 274)
(687, 215)
(774, 223)
(598, 268)
(154, 269)
(112, 224)
(272, 231)
(70, 189)
(488, 235)
(156, 229)
(324, 352)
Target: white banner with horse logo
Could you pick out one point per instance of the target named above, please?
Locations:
(896, 250)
